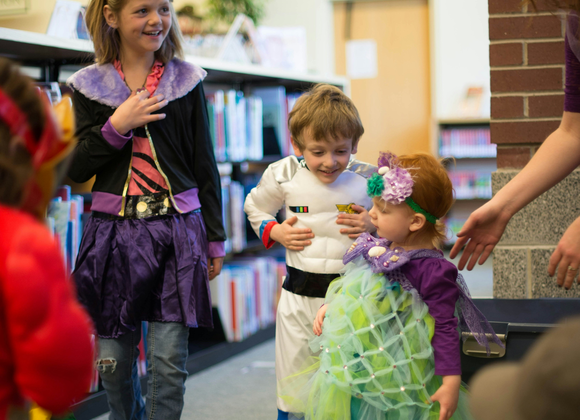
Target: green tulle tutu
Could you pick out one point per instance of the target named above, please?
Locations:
(375, 356)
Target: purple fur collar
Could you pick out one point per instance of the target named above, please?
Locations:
(103, 84)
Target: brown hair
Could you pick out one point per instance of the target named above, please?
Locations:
(326, 111)
(15, 161)
(106, 39)
(432, 191)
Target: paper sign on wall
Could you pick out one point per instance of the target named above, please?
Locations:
(361, 59)
(67, 20)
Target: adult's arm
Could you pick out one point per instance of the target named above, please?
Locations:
(555, 159)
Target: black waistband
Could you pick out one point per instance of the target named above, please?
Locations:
(307, 284)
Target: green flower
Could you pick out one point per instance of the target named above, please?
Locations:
(375, 185)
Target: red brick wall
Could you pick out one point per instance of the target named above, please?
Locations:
(527, 78)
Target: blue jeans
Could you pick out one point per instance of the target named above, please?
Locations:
(167, 353)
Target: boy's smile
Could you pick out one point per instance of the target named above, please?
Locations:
(326, 159)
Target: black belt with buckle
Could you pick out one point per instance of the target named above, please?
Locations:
(307, 284)
(143, 206)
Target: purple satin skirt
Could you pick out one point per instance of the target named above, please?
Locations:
(153, 269)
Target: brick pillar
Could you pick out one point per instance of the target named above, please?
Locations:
(527, 97)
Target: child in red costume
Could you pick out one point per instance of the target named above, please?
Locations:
(45, 348)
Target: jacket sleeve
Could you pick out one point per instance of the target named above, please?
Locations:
(206, 173)
(440, 292)
(263, 203)
(97, 143)
(48, 330)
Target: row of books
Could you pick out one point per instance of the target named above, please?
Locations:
(249, 127)
(233, 196)
(466, 142)
(471, 184)
(246, 294)
(65, 222)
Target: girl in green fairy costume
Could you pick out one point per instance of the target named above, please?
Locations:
(387, 333)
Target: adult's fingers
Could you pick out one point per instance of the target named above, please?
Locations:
(554, 261)
(567, 270)
(571, 272)
(486, 253)
(475, 256)
(457, 247)
(357, 208)
(469, 248)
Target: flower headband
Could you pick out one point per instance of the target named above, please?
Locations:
(394, 185)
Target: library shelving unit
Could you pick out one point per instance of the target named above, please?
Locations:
(49, 59)
(467, 141)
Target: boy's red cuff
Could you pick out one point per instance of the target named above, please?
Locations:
(268, 243)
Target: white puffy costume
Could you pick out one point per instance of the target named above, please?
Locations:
(289, 183)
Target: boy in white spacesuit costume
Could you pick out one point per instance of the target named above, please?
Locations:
(321, 192)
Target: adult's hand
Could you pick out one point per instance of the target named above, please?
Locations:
(566, 257)
(482, 231)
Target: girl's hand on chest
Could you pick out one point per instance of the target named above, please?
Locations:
(137, 111)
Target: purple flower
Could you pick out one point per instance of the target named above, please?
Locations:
(398, 185)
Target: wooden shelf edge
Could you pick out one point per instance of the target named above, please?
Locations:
(70, 49)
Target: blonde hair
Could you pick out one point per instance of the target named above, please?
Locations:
(106, 39)
(325, 111)
(432, 191)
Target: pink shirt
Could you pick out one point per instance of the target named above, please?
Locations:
(145, 178)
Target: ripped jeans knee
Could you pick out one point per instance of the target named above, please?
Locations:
(107, 365)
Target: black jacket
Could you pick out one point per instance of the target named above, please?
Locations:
(181, 142)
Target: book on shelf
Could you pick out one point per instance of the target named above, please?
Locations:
(217, 124)
(246, 295)
(235, 124)
(64, 219)
(466, 142)
(233, 196)
(471, 184)
(275, 114)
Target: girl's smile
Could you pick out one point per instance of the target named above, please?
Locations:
(143, 25)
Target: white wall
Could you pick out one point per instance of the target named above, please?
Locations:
(460, 53)
(317, 17)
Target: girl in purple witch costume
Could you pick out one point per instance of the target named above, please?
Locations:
(389, 347)
(156, 229)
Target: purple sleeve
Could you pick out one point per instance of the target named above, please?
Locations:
(572, 88)
(435, 280)
(113, 137)
(216, 249)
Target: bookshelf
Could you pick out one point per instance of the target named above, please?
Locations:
(253, 275)
(467, 141)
